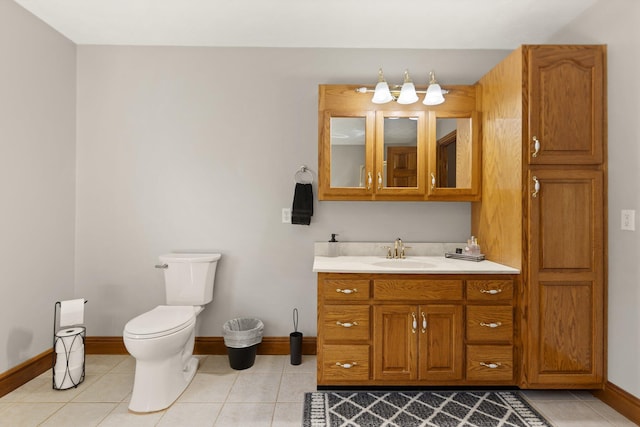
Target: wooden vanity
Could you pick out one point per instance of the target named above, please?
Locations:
(399, 329)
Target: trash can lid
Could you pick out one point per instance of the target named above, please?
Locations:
(162, 320)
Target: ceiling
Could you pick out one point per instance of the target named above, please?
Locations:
(420, 24)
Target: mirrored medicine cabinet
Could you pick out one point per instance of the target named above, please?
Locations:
(397, 152)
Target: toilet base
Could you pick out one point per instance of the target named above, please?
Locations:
(158, 384)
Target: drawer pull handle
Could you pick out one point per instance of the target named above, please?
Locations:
(536, 146)
(347, 291)
(490, 365)
(491, 291)
(346, 324)
(346, 365)
(491, 325)
(414, 323)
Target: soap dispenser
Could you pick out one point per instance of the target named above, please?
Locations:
(334, 249)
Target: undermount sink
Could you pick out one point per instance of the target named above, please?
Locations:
(402, 263)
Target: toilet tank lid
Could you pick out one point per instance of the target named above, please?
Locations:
(190, 257)
(163, 318)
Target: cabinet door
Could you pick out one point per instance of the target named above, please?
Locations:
(400, 154)
(564, 328)
(440, 342)
(346, 169)
(454, 156)
(395, 341)
(566, 104)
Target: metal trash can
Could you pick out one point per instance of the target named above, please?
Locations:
(241, 337)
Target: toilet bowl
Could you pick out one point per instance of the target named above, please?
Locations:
(162, 339)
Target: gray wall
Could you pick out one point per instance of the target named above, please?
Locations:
(197, 148)
(615, 23)
(37, 181)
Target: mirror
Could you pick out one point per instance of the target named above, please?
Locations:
(348, 154)
(454, 139)
(400, 164)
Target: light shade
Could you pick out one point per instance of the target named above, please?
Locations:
(382, 94)
(408, 93)
(434, 92)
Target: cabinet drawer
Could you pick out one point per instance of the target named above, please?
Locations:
(344, 290)
(345, 322)
(345, 363)
(490, 363)
(490, 323)
(490, 290)
(417, 290)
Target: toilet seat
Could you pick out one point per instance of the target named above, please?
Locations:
(161, 321)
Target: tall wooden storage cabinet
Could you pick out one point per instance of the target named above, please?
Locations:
(544, 205)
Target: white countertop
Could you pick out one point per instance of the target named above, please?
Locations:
(409, 265)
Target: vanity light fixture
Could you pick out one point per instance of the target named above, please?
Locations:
(407, 93)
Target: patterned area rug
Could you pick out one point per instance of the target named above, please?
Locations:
(427, 408)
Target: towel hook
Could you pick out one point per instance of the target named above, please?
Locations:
(304, 175)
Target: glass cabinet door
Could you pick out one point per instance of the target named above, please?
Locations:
(454, 156)
(346, 155)
(400, 153)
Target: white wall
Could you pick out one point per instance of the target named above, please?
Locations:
(196, 148)
(37, 181)
(615, 23)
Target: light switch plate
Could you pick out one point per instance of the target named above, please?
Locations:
(628, 220)
(286, 215)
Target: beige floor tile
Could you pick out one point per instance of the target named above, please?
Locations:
(583, 394)
(46, 393)
(294, 385)
(287, 415)
(308, 365)
(125, 366)
(208, 387)
(265, 363)
(27, 414)
(215, 363)
(570, 413)
(191, 415)
(103, 363)
(121, 417)
(79, 414)
(255, 387)
(551, 395)
(108, 388)
(245, 415)
(610, 414)
(3, 407)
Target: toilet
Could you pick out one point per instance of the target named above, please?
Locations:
(161, 340)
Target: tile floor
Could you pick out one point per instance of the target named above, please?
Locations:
(268, 394)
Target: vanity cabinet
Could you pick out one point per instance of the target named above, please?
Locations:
(390, 151)
(543, 206)
(415, 329)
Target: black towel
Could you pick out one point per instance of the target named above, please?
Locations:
(302, 204)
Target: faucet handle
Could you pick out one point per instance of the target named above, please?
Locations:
(402, 254)
(389, 253)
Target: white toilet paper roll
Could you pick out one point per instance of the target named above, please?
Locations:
(75, 359)
(64, 379)
(72, 312)
(69, 339)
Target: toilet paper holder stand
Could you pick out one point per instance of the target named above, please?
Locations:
(67, 377)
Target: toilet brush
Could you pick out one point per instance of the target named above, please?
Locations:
(295, 341)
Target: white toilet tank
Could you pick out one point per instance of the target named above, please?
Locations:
(189, 277)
